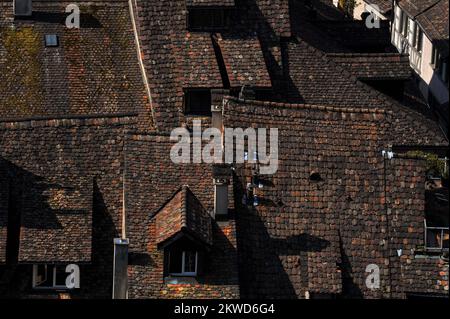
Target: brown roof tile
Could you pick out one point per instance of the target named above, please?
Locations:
(94, 70)
(183, 213)
(244, 61)
(56, 221)
(197, 61)
(375, 65)
(384, 5)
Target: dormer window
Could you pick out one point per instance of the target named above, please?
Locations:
(182, 262)
(207, 19)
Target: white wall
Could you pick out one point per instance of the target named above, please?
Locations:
(420, 60)
(364, 7)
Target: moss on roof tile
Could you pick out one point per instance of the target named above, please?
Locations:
(20, 75)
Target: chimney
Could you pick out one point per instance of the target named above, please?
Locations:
(120, 269)
(22, 8)
(222, 178)
(217, 96)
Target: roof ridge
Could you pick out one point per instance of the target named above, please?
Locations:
(308, 106)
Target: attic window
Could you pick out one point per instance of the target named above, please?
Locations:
(183, 262)
(49, 277)
(51, 40)
(207, 19)
(197, 102)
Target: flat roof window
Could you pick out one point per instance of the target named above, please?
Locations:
(51, 40)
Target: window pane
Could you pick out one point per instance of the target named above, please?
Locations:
(175, 257)
(189, 261)
(61, 275)
(44, 276)
(433, 238)
(445, 239)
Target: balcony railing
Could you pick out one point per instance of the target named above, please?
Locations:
(436, 238)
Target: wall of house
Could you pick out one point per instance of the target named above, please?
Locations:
(360, 8)
(420, 61)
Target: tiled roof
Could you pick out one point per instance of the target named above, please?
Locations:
(316, 79)
(299, 224)
(212, 3)
(244, 61)
(161, 182)
(56, 220)
(197, 61)
(274, 12)
(94, 70)
(162, 29)
(374, 65)
(384, 5)
(416, 7)
(183, 213)
(434, 23)
(319, 236)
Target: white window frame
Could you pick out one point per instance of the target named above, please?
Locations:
(183, 265)
(54, 285)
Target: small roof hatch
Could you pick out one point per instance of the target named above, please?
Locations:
(51, 40)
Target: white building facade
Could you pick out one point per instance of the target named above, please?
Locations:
(427, 57)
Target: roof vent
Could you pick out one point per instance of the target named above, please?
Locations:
(51, 40)
(22, 8)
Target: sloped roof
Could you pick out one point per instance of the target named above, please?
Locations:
(56, 221)
(416, 7)
(183, 213)
(94, 70)
(162, 30)
(375, 65)
(384, 5)
(244, 61)
(316, 79)
(151, 154)
(301, 221)
(197, 61)
(434, 23)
